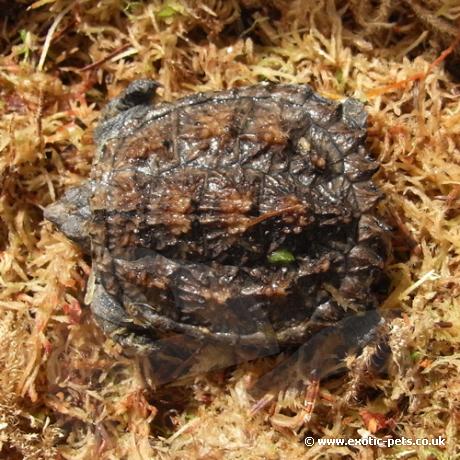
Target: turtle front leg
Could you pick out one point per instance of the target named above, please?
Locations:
(111, 317)
(170, 357)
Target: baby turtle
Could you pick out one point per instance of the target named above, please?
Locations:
(242, 219)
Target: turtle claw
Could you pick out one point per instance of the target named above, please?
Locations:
(298, 421)
(262, 403)
(325, 354)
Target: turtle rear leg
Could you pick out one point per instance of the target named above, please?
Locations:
(325, 354)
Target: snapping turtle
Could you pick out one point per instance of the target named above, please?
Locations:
(242, 219)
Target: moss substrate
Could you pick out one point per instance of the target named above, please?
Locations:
(67, 391)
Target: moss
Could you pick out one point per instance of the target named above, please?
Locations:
(282, 257)
(60, 61)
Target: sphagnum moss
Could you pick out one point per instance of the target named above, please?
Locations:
(67, 389)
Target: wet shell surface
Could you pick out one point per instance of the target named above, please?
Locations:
(243, 217)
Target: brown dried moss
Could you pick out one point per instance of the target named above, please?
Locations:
(65, 389)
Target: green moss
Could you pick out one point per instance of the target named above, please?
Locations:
(281, 257)
(170, 9)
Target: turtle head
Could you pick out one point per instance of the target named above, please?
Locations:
(71, 214)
